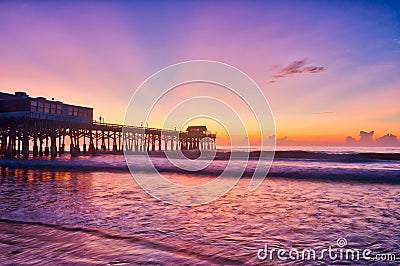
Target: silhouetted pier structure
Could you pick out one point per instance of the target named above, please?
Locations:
(48, 124)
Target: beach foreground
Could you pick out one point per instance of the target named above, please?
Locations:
(86, 217)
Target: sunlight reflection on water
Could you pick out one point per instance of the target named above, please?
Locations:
(282, 212)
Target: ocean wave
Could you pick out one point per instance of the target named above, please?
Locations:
(296, 154)
(311, 155)
(292, 164)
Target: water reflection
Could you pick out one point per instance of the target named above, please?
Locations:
(110, 209)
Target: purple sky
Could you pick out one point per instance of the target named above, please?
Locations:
(96, 53)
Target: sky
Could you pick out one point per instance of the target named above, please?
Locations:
(327, 68)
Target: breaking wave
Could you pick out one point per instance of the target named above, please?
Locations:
(364, 166)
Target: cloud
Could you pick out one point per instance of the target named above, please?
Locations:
(351, 140)
(366, 139)
(387, 140)
(296, 67)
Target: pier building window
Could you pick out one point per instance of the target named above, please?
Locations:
(40, 107)
(47, 107)
(85, 113)
(72, 111)
(59, 109)
(53, 108)
(33, 106)
(80, 111)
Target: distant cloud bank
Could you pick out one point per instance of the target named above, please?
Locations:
(366, 139)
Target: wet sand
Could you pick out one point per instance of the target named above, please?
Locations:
(35, 244)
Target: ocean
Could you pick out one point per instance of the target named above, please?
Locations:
(88, 210)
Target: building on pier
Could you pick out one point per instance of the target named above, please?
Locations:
(20, 105)
(197, 137)
(24, 119)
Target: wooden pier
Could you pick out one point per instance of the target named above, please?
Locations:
(47, 125)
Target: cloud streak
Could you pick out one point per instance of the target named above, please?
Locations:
(296, 67)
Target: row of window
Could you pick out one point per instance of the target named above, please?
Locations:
(81, 112)
(43, 107)
(54, 108)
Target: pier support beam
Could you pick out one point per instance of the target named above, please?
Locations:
(62, 148)
(41, 146)
(19, 145)
(25, 144)
(46, 149)
(35, 151)
(72, 149)
(103, 143)
(92, 149)
(3, 146)
(53, 150)
(84, 142)
(115, 142)
(59, 145)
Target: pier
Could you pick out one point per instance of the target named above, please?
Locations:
(47, 125)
